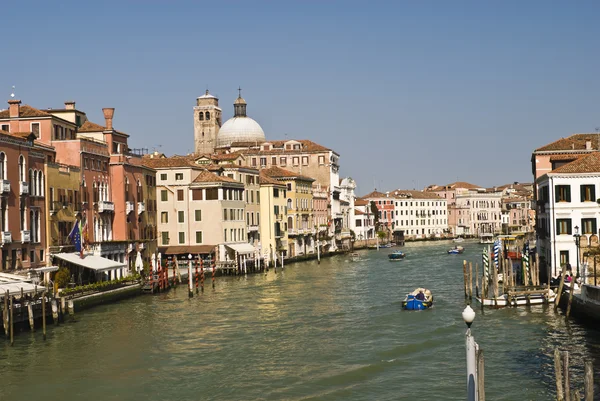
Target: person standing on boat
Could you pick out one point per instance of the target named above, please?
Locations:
(420, 296)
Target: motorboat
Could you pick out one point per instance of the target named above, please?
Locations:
(458, 239)
(486, 238)
(456, 250)
(397, 255)
(355, 257)
(419, 299)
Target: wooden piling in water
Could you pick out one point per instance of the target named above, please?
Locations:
(470, 280)
(477, 281)
(558, 376)
(6, 315)
(560, 287)
(30, 315)
(71, 307)
(44, 314)
(196, 276)
(54, 307)
(588, 382)
(202, 275)
(566, 374)
(571, 290)
(12, 323)
(214, 268)
(465, 278)
(480, 375)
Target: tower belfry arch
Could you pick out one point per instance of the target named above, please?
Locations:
(207, 121)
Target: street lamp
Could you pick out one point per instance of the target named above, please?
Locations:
(190, 282)
(468, 316)
(577, 237)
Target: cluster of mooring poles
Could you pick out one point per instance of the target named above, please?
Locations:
(564, 390)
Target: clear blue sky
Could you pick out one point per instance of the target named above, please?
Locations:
(409, 93)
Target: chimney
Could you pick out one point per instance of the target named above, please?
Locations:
(69, 105)
(14, 107)
(108, 116)
(588, 145)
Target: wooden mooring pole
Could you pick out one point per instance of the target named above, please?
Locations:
(44, 314)
(480, 376)
(6, 316)
(12, 323)
(589, 381)
(470, 280)
(560, 287)
(465, 278)
(558, 376)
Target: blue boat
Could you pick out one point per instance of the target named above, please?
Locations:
(397, 255)
(456, 250)
(419, 299)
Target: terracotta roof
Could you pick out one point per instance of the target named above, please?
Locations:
(26, 111)
(586, 164)
(207, 177)
(357, 212)
(565, 157)
(263, 179)
(374, 194)
(278, 172)
(462, 184)
(573, 142)
(414, 194)
(89, 126)
(225, 156)
(168, 162)
(279, 147)
(360, 202)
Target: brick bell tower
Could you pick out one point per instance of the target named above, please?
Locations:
(207, 121)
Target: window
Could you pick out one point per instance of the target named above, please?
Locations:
(212, 194)
(321, 160)
(163, 177)
(274, 160)
(305, 160)
(276, 209)
(225, 214)
(563, 193)
(5, 127)
(563, 226)
(207, 115)
(263, 161)
(295, 161)
(181, 237)
(163, 195)
(588, 226)
(165, 237)
(283, 161)
(254, 162)
(201, 116)
(178, 176)
(275, 192)
(564, 258)
(196, 194)
(198, 237)
(35, 129)
(164, 217)
(198, 215)
(180, 194)
(588, 193)
(181, 216)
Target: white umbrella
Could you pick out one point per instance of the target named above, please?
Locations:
(139, 264)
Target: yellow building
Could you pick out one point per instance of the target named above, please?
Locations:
(63, 206)
(299, 201)
(272, 218)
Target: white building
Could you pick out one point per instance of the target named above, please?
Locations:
(364, 221)
(480, 213)
(568, 204)
(419, 214)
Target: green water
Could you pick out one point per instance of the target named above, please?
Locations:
(333, 331)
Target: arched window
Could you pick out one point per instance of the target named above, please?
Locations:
(289, 204)
(32, 181)
(290, 223)
(207, 115)
(201, 116)
(41, 183)
(2, 166)
(22, 169)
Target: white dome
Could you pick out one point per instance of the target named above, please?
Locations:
(240, 129)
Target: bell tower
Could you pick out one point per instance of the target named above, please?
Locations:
(207, 121)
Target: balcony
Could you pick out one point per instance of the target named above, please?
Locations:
(128, 207)
(24, 188)
(4, 187)
(252, 228)
(141, 207)
(292, 231)
(6, 237)
(106, 206)
(25, 236)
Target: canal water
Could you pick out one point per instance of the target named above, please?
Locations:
(333, 331)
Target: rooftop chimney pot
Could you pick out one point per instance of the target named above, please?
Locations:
(109, 112)
(70, 105)
(14, 107)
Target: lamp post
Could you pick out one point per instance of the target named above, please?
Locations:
(190, 283)
(468, 316)
(577, 237)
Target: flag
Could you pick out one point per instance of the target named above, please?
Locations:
(75, 237)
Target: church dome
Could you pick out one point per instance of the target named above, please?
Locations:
(240, 129)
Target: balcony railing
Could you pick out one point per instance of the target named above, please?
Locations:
(292, 231)
(106, 206)
(141, 207)
(24, 188)
(128, 207)
(25, 236)
(6, 237)
(4, 186)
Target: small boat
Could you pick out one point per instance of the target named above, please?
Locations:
(456, 250)
(486, 238)
(519, 300)
(397, 255)
(458, 239)
(355, 257)
(419, 299)
(385, 246)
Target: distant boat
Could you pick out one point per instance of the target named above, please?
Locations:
(419, 299)
(385, 246)
(397, 255)
(459, 239)
(355, 257)
(486, 238)
(456, 250)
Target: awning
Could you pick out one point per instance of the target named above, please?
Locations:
(194, 249)
(93, 262)
(46, 269)
(242, 247)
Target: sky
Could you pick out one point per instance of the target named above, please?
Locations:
(409, 93)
